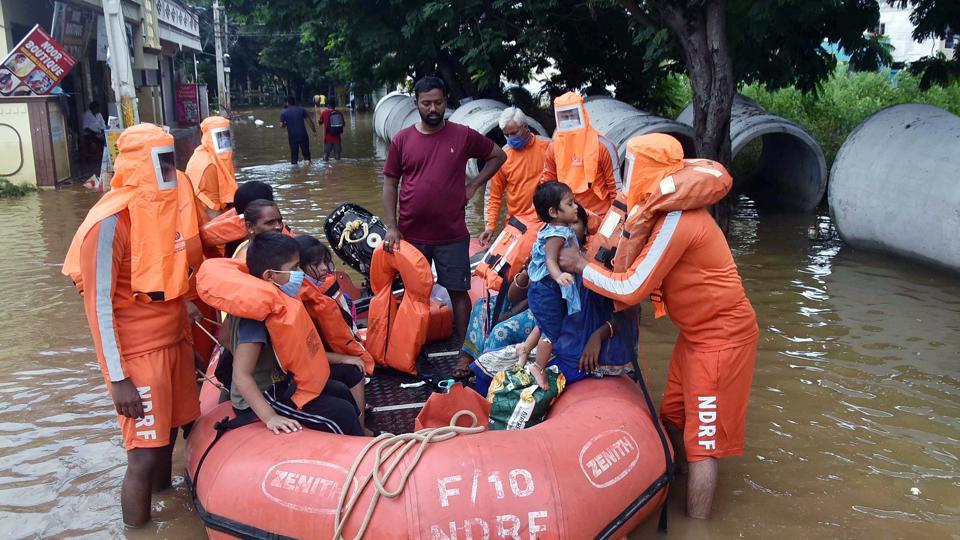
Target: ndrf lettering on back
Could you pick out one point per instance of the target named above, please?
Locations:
(148, 419)
(707, 414)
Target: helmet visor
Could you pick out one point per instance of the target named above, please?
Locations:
(569, 118)
(165, 166)
(222, 140)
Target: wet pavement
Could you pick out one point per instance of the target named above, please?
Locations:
(853, 426)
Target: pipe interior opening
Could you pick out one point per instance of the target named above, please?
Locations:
(779, 170)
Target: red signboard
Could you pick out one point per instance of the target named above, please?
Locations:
(35, 66)
(188, 108)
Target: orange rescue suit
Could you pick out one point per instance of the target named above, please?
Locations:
(159, 225)
(518, 177)
(225, 284)
(688, 258)
(582, 158)
(211, 166)
(596, 201)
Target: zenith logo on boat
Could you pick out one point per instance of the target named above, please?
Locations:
(609, 457)
(306, 485)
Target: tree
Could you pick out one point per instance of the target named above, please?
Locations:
(775, 43)
(937, 19)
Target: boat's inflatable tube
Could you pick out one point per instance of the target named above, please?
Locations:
(353, 232)
(395, 334)
(792, 172)
(894, 185)
(596, 455)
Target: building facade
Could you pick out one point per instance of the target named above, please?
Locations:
(163, 37)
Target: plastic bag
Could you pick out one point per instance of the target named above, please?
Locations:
(517, 402)
(440, 408)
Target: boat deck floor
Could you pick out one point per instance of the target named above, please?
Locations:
(394, 409)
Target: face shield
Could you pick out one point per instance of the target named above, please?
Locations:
(222, 140)
(569, 118)
(165, 167)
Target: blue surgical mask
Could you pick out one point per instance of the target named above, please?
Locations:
(292, 286)
(517, 142)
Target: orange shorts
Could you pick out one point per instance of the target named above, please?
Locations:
(168, 387)
(706, 396)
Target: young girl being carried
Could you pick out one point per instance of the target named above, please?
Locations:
(553, 293)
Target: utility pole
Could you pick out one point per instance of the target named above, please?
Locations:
(218, 44)
(226, 60)
(121, 72)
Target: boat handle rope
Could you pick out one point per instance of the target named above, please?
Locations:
(384, 447)
(202, 375)
(351, 228)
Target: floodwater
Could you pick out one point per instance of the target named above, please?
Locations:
(853, 426)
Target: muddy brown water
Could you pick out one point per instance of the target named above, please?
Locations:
(853, 426)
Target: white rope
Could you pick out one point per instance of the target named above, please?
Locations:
(384, 447)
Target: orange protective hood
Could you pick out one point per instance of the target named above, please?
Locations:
(650, 159)
(216, 147)
(576, 145)
(145, 184)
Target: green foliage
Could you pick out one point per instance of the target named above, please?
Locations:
(9, 190)
(846, 99)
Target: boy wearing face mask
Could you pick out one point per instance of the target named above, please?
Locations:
(259, 386)
(519, 175)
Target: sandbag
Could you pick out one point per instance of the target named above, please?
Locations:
(517, 402)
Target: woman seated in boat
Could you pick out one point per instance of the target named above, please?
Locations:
(259, 386)
(332, 314)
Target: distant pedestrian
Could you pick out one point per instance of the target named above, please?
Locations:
(333, 125)
(295, 119)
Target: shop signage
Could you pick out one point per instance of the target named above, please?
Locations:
(35, 66)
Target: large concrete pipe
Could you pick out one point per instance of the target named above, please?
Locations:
(618, 122)
(894, 185)
(792, 171)
(393, 113)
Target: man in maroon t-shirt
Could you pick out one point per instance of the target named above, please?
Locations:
(431, 157)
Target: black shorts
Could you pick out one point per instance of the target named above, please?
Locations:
(348, 374)
(331, 147)
(452, 262)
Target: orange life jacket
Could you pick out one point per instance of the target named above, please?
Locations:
(576, 145)
(225, 284)
(395, 334)
(159, 224)
(216, 149)
(698, 184)
(223, 229)
(603, 243)
(510, 251)
(334, 329)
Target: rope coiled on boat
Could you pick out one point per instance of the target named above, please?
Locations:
(384, 447)
(353, 226)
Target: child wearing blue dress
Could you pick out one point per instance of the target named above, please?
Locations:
(553, 293)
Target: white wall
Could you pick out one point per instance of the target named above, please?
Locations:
(899, 29)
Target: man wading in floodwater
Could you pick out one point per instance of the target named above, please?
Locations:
(708, 385)
(430, 158)
(129, 260)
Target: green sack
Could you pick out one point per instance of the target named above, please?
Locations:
(517, 401)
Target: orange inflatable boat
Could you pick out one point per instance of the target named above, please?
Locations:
(597, 467)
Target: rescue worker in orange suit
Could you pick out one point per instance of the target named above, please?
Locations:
(711, 369)
(211, 167)
(129, 260)
(581, 158)
(519, 175)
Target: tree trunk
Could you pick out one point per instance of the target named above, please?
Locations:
(702, 35)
